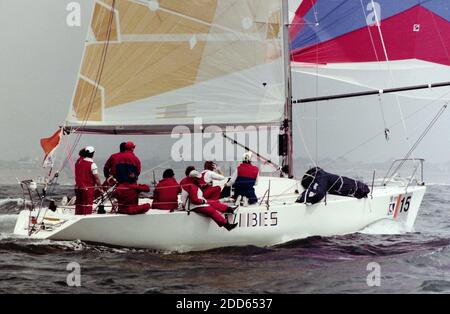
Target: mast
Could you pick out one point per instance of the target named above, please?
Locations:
(288, 162)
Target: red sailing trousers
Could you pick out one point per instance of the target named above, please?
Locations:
(134, 209)
(212, 192)
(214, 211)
(84, 201)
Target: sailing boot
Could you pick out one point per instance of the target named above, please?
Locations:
(229, 226)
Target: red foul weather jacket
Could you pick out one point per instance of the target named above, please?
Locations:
(166, 193)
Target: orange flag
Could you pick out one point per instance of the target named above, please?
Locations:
(49, 146)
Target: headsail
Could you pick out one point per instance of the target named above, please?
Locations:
(151, 65)
(347, 31)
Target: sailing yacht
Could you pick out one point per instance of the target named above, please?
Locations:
(152, 66)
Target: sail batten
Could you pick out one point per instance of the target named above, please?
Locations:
(215, 56)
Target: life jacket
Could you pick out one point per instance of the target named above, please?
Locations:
(127, 165)
(83, 173)
(247, 175)
(166, 193)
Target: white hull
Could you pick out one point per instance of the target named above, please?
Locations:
(284, 221)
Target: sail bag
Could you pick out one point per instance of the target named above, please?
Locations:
(317, 183)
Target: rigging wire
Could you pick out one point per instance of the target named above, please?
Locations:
(378, 20)
(317, 24)
(416, 144)
(386, 129)
(97, 84)
(370, 139)
(317, 104)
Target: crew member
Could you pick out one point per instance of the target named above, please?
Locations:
(187, 180)
(210, 174)
(127, 195)
(193, 199)
(244, 180)
(166, 192)
(127, 164)
(109, 170)
(86, 179)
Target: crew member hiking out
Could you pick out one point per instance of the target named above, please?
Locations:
(109, 170)
(210, 174)
(128, 165)
(244, 180)
(86, 179)
(127, 195)
(166, 192)
(193, 199)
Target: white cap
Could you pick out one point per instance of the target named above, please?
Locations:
(90, 149)
(195, 174)
(247, 156)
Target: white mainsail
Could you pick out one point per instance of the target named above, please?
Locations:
(151, 65)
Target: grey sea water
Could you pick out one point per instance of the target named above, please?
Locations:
(416, 262)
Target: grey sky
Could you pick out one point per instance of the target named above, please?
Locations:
(39, 63)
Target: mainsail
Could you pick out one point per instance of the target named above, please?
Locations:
(151, 65)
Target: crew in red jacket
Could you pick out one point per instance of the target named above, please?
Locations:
(192, 198)
(127, 195)
(86, 179)
(127, 164)
(166, 192)
(109, 170)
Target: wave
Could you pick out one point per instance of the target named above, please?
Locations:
(13, 205)
(435, 286)
(7, 223)
(12, 243)
(385, 227)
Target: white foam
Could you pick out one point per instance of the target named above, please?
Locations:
(438, 184)
(4, 236)
(388, 227)
(4, 201)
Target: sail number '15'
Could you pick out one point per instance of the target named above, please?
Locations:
(400, 204)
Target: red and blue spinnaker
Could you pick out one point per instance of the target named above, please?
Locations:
(341, 31)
